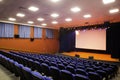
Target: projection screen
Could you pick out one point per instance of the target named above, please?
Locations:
(91, 39)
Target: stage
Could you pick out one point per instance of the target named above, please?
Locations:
(96, 56)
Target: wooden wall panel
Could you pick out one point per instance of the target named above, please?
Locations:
(42, 45)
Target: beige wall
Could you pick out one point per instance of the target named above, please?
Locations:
(42, 45)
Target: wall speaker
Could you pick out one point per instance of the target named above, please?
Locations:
(106, 23)
(91, 57)
(76, 55)
(31, 39)
(16, 36)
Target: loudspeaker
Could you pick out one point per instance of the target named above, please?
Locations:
(106, 23)
(31, 39)
(91, 57)
(76, 55)
(16, 36)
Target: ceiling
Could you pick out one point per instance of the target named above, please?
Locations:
(98, 10)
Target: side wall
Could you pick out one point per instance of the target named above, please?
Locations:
(42, 45)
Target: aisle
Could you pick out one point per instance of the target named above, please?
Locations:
(6, 75)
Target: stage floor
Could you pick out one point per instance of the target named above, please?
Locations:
(97, 56)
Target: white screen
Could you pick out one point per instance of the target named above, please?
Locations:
(91, 39)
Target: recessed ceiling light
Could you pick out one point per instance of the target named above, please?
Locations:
(20, 14)
(40, 19)
(87, 16)
(44, 24)
(54, 15)
(30, 22)
(68, 19)
(54, 22)
(1, 0)
(75, 9)
(12, 19)
(108, 1)
(33, 8)
(114, 10)
(55, 0)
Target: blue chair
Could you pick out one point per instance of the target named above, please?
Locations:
(27, 73)
(36, 76)
(80, 77)
(73, 65)
(45, 69)
(61, 66)
(71, 69)
(55, 73)
(97, 68)
(109, 72)
(65, 63)
(54, 64)
(81, 72)
(66, 75)
(11, 65)
(37, 66)
(19, 68)
(94, 76)
(16, 70)
(90, 70)
(102, 73)
(47, 62)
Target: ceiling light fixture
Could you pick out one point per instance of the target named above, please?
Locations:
(1, 0)
(108, 1)
(20, 14)
(33, 8)
(55, 1)
(68, 19)
(75, 9)
(30, 22)
(55, 15)
(114, 10)
(44, 24)
(12, 19)
(54, 22)
(40, 19)
(87, 16)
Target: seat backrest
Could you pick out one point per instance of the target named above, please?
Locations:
(94, 76)
(90, 70)
(81, 71)
(26, 73)
(37, 76)
(61, 66)
(55, 73)
(66, 75)
(54, 64)
(71, 69)
(80, 77)
(45, 69)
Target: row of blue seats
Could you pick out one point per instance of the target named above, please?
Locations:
(106, 71)
(25, 73)
(88, 71)
(61, 59)
(54, 75)
(76, 63)
(61, 73)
